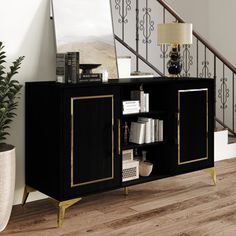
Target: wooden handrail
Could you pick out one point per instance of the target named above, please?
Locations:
(199, 37)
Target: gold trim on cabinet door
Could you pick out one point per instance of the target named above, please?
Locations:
(118, 136)
(178, 125)
(72, 139)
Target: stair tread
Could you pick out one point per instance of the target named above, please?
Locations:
(231, 140)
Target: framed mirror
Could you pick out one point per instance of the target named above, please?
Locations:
(85, 26)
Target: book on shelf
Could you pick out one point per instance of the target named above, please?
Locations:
(143, 99)
(61, 67)
(90, 80)
(138, 95)
(90, 76)
(130, 107)
(156, 130)
(146, 102)
(130, 111)
(73, 67)
(152, 130)
(130, 103)
(148, 126)
(160, 130)
(137, 130)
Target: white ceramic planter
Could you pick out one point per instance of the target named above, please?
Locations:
(7, 185)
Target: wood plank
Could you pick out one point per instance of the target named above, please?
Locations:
(185, 205)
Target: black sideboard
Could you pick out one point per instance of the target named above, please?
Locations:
(75, 136)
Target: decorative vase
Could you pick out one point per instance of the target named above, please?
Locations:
(145, 167)
(7, 184)
(175, 64)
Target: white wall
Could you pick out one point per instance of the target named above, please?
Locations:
(25, 29)
(222, 30)
(195, 12)
(214, 20)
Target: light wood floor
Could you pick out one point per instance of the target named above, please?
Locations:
(186, 205)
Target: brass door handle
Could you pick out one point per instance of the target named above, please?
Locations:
(118, 122)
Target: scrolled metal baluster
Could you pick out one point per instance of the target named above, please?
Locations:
(187, 60)
(205, 70)
(146, 25)
(123, 7)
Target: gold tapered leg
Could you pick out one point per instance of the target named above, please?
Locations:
(126, 191)
(27, 190)
(62, 207)
(212, 172)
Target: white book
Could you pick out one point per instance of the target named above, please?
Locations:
(156, 130)
(146, 98)
(152, 130)
(131, 103)
(130, 111)
(160, 130)
(142, 101)
(131, 107)
(147, 128)
(137, 131)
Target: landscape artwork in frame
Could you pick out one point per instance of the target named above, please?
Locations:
(85, 26)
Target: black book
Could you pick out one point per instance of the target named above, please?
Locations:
(91, 76)
(73, 67)
(61, 67)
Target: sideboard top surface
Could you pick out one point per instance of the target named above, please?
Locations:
(124, 82)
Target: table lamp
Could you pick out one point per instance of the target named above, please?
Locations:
(174, 34)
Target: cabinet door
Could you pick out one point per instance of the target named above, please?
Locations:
(194, 129)
(93, 160)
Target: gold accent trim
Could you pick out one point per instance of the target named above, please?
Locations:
(212, 172)
(72, 139)
(27, 191)
(178, 125)
(119, 150)
(62, 206)
(126, 191)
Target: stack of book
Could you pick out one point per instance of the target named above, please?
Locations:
(68, 69)
(142, 97)
(130, 107)
(146, 130)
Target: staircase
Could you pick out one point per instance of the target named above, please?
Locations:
(224, 146)
(135, 23)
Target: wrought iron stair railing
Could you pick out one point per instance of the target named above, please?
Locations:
(135, 23)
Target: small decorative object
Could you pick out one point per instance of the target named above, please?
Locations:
(130, 170)
(9, 94)
(174, 34)
(88, 75)
(124, 67)
(145, 167)
(87, 68)
(126, 133)
(105, 76)
(128, 155)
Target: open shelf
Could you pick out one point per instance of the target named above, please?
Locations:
(141, 179)
(150, 113)
(144, 145)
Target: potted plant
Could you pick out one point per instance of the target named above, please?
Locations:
(9, 95)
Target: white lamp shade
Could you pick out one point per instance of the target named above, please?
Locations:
(174, 33)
